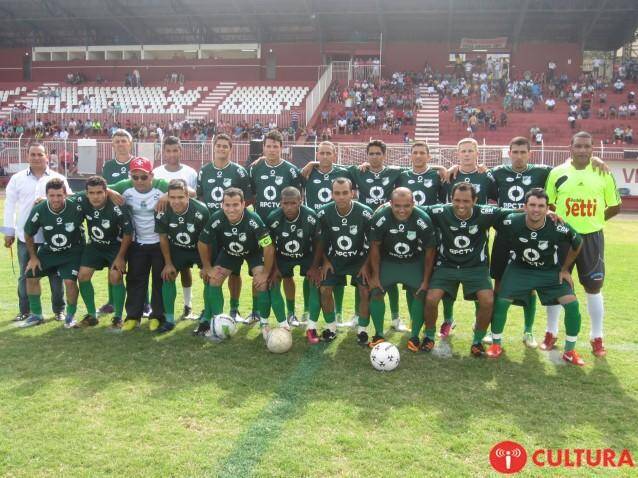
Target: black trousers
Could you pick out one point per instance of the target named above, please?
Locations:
(144, 259)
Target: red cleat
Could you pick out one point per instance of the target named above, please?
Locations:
(494, 351)
(573, 358)
(311, 335)
(597, 347)
(549, 342)
(446, 329)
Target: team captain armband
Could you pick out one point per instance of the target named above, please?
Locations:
(265, 241)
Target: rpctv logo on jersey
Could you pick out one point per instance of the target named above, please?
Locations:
(508, 457)
(580, 207)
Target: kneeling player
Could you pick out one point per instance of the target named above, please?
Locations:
(293, 228)
(179, 227)
(399, 235)
(60, 253)
(344, 226)
(236, 235)
(111, 234)
(533, 241)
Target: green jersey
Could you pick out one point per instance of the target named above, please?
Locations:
(62, 230)
(114, 171)
(483, 182)
(463, 242)
(536, 248)
(319, 186)
(212, 182)
(374, 188)
(426, 187)
(402, 240)
(107, 224)
(345, 237)
(267, 182)
(293, 239)
(183, 229)
(241, 239)
(511, 186)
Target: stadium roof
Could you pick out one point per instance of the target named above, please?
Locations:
(597, 24)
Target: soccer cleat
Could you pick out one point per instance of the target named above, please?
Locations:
(597, 347)
(116, 323)
(130, 324)
(202, 329)
(328, 335)
(376, 340)
(347, 324)
(446, 329)
(292, 320)
(234, 314)
(311, 335)
(362, 338)
(494, 351)
(413, 344)
(399, 326)
(87, 321)
(549, 342)
(488, 338)
(573, 358)
(477, 350)
(32, 321)
(70, 322)
(105, 310)
(166, 327)
(187, 313)
(59, 316)
(252, 318)
(265, 330)
(529, 340)
(427, 345)
(146, 313)
(20, 317)
(154, 324)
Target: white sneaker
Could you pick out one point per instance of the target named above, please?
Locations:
(399, 326)
(238, 318)
(529, 340)
(251, 318)
(293, 321)
(488, 338)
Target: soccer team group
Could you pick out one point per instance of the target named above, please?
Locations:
(425, 228)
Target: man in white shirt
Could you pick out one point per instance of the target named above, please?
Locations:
(23, 189)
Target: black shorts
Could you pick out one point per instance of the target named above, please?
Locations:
(590, 263)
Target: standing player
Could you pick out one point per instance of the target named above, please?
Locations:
(534, 242)
(402, 251)
(213, 179)
(173, 169)
(179, 227)
(110, 235)
(423, 180)
(341, 252)
(586, 200)
(234, 235)
(60, 253)
(462, 228)
(267, 179)
(293, 228)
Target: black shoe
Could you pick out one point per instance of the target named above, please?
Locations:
(20, 317)
(202, 329)
(165, 327)
(427, 345)
(116, 323)
(328, 335)
(362, 338)
(88, 321)
(59, 316)
(477, 350)
(186, 313)
(413, 344)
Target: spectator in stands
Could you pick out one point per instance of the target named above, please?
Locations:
(503, 119)
(623, 112)
(538, 137)
(601, 113)
(528, 105)
(341, 125)
(445, 103)
(619, 86)
(602, 97)
(618, 134)
(571, 119)
(492, 121)
(628, 135)
(631, 109)
(613, 112)
(550, 104)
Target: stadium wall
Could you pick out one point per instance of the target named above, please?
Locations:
(11, 63)
(535, 56)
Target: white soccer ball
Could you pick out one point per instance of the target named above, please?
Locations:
(223, 327)
(385, 357)
(279, 340)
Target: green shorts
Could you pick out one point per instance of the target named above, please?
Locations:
(234, 263)
(98, 257)
(286, 265)
(473, 279)
(185, 258)
(341, 270)
(408, 273)
(65, 264)
(518, 282)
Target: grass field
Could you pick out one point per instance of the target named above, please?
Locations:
(95, 403)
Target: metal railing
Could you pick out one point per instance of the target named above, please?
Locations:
(313, 100)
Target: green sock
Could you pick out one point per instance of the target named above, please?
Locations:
(499, 317)
(277, 302)
(255, 303)
(330, 317)
(337, 291)
(572, 324)
(110, 301)
(263, 301)
(234, 303)
(363, 321)
(169, 293)
(377, 312)
(314, 303)
(416, 314)
(71, 309)
(448, 310)
(478, 336)
(35, 305)
(409, 297)
(119, 294)
(207, 303)
(290, 306)
(306, 295)
(357, 301)
(529, 312)
(216, 300)
(430, 333)
(393, 299)
(88, 296)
